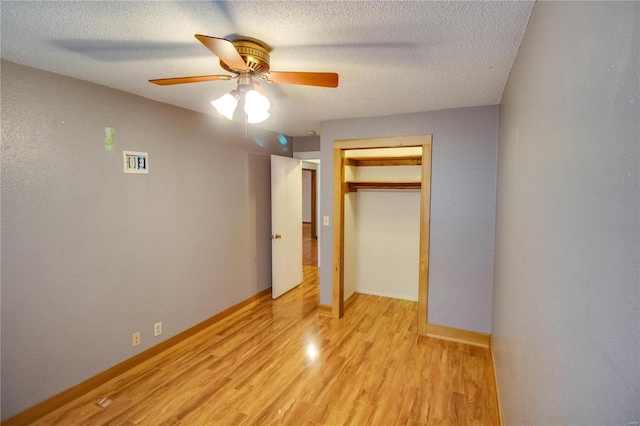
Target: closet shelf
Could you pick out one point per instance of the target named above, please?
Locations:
(354, 186)
(413, 160)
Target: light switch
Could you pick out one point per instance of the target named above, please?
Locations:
(325, 220)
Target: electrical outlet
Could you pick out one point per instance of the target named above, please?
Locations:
(157, 329)
(135, 339)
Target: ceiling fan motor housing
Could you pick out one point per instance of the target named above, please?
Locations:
(254, 52)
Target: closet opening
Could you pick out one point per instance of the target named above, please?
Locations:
(382, 190)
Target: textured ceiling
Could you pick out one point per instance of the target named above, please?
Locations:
(392, 56)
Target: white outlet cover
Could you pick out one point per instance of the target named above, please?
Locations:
(135, 162)
(135, 339)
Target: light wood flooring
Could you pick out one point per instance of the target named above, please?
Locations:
(309, 246)
(279, 362)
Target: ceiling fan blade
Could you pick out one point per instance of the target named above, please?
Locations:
(183, 80)
(225, 50)
(323, 79)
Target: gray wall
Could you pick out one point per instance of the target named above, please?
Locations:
(91, 255)
(565, 311)
(306, 143)
(462, 206)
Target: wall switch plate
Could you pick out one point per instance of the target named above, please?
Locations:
(157, 329)
(135, 339)
(325, 220)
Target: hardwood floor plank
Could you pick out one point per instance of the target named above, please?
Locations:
(309, 246)
(298, 411)
(455, 367)
(474, 389)
(420, 407)
(370, 390)
(336, 418)
(396, 404)
(352, 379)
(280, 362)
(439, 380)
(458, 409)
(360, 414)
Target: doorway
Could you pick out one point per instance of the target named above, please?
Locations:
(312, 241)
(309, 215)
(344, 184)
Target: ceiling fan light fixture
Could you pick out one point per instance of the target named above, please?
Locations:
(248, 59)
(255, 103)
(227, 104)
(258, 117)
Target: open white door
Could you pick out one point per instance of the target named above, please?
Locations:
(286, 224)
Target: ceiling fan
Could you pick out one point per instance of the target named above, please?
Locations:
(248, 59)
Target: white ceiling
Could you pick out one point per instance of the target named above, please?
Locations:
(392, 56)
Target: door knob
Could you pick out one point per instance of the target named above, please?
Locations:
(276, 237)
